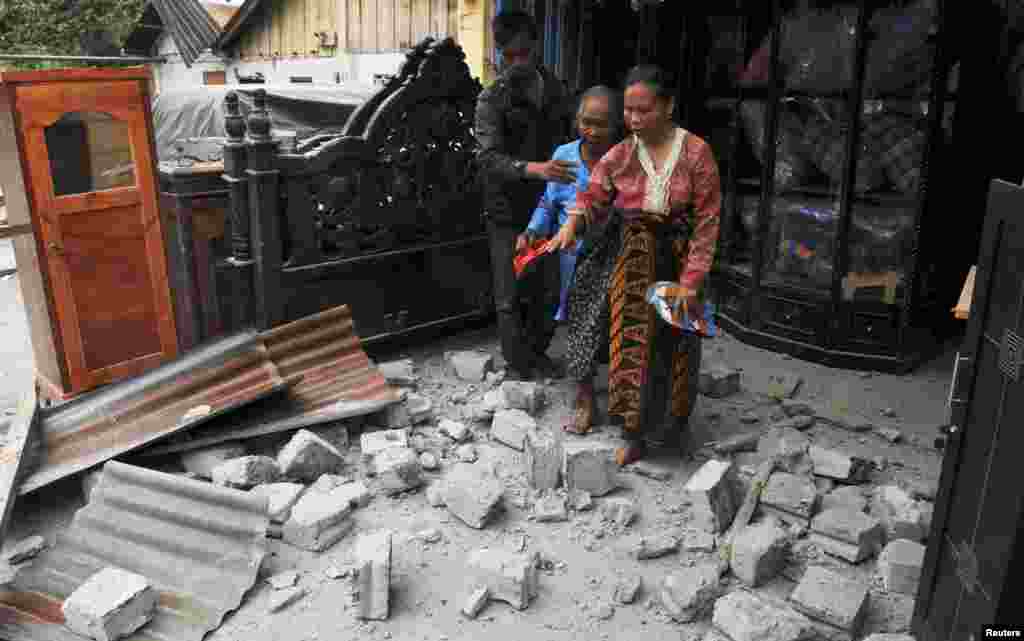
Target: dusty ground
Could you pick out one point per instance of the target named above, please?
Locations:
(427, 589)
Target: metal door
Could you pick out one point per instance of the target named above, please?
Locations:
(974, 532)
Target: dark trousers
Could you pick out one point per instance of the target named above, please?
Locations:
(526, 307)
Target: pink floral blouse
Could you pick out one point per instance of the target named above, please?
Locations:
(643, 191)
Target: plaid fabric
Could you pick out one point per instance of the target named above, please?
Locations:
(902, 147)
(826, 144)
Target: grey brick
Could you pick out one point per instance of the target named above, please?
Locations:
(111, 604)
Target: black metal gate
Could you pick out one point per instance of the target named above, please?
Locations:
(975, 558)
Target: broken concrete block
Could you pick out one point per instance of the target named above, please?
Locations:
(900, 566)
(847, 534)
(689, 593)
(832, 598)
(789, 446)
(891, 435)
(246, 472)
(356, 492)
(713, 490)
(111, 604)
(458, 432)
(800, 423)
(848, 496)
(836, 465)
(745, 617)
(649, 470)
(627, 590)
(373, 554)
(283, 580)
(522, 395)
(397, 470)
(789, 497)
(472, 494)
(319, 520)
(201, 462)
(328, 482)
(280, 498)
(550, 508)
(718, 381)
(758, 553)
(511, 426)
(783, 385)
(494, 401)
(400, 372)
(373, 443)
(543, 459)
(25, 549)
(435, 495)
(581, 500)
(698, 541)
(844, 420)
(420, 408)
(902, 516)
(476, 602)
(469, 366)
(466, 453)
(651, 546)
(428, 461)
(306, 456)
(590, 466)
(509, 577)
(281, 599)
(619, 511)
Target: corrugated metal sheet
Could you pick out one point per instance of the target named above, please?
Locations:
(94, 428)
(200, 545)
(338, 380)
(191, 27)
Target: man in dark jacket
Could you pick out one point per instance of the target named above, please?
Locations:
(520, 120)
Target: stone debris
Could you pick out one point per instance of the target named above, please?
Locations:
(420, 408)
(689, 593)
(900, 566)
(280, 498)
(25, 549)
(111, 604)
(719, 381)
(745, 617)
(397, 470)
(848, 421)
(335, 572)
(831, 598)
(627, 590)
(511, 427)
(795, 408)
(653, 546)
(847, 534)
(590, 466)
(319, 520)
(789, 446)
(246, 472)
(839, 466)
(509, 576)
(476, 602)
(543, 459)
(713, 490)
(401, 372)
(738, 443)
(618, 511)
(356, 492)
(394, 416)
(281, 599)
(891, 435)
(648, 470)
(800, 423)
(902, 516)
(550, 507)
(581, 500)
(472, 494)
(468, 365)
(283, 580)
(789, 497)
(307, 456)
(521, 395)
(201, 462)
(373, 555)
(328, 482)
(435, 495)
(848, 496)
(783, 385)
(698, 541)
(758, 553)
(455, 430)
(466, 453)
(428, 461)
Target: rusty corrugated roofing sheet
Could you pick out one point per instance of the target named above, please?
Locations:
(338, 380)
(200, 545)
(94, 428)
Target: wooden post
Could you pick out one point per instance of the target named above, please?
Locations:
(263, 214)
(241, 244)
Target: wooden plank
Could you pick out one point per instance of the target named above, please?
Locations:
(404, 25)
(15, 457)
(386, 20)
(962, 311)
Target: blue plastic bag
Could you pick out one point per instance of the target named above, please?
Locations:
(666, 310)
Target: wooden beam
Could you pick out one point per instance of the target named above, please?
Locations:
(962, 311)
(15, 457)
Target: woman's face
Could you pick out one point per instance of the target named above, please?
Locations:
(644, 110)
(595, 122)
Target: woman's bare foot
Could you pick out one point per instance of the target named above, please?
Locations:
(583, 418)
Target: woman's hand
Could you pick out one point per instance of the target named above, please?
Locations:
(565, 238)
(524, 240)
(684, 303)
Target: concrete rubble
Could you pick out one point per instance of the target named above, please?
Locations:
(847, 534)
(782, 385)
(789, 497)
(511, 427)
(455, 430)
(281, 497)
(429, 461)
(469, 366)
(744, 616)
(850, 496)
(831, 598)
(319, 520)
(590, 467)
(698, 541)
(713, 489)
(373, 556)
(373, 443)
(627, 590)
(202, 461)
(550, 507)
(283, 580)
(718, 381)
(475, 602)
(758, 553)
(400, 372)
(111, 604)
(520, 395)
(281, 599)
(25, 549)
(246, 472)
(900, 565)
(648, 470)
(650, 546)
(543, 459)
(307, 456)
(511, 577)
(420, 408)
(902, 516)
(397, 469)
(466, 453)
(472, 494)
(618, 511)
(837, 465)
(689, 593)
(789, 446)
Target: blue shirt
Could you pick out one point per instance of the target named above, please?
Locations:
(552, 213)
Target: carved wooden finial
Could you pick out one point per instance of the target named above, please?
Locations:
(234, 122)
(259, 119)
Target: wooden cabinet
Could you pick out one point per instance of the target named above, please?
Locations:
(94, 271)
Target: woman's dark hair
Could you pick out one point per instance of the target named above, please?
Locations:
(509, 24)
(614, 99)
(654, 77)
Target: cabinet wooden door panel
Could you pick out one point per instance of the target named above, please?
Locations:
(98, 225)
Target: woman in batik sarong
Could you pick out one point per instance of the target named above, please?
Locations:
(650, 213)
